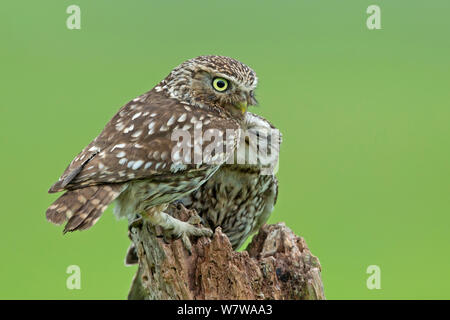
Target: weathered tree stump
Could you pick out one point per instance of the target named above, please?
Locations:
(277, 264)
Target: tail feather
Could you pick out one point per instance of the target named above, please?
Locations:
(82, 207)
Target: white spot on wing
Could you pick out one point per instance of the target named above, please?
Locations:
(171, 121)
(128, 129)
(120, 145)
(182, 117)
(137, 115)
(120, 126)
(137, 134)
(148, 165)
(137, 164)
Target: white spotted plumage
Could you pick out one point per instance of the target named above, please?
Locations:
(240, 197)
(132, 159)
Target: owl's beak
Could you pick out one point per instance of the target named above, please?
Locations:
(242, 105)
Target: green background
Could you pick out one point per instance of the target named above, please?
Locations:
(365, 115)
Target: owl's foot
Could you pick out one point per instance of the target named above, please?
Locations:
(194, 217)
(175, 229)
(185, 230)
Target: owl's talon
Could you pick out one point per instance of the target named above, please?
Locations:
(184, 231)
(136, 223)
(186, 243)
(175, 228)
(196, 232)
(166, 238)
(196, 219)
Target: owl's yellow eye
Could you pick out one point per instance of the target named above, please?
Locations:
(220, 84)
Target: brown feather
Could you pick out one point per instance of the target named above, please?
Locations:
(152, 144)
(82, 207)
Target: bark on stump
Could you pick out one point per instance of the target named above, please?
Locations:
(277, 264)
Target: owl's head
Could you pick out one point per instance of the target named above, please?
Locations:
(217, 82)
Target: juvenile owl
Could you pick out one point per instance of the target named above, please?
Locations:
(240, 196)
(148, 156)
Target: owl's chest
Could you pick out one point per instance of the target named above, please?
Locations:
(231, 198)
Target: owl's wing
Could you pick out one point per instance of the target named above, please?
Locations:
(145, 139)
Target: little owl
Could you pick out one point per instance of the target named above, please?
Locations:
(137, 162)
